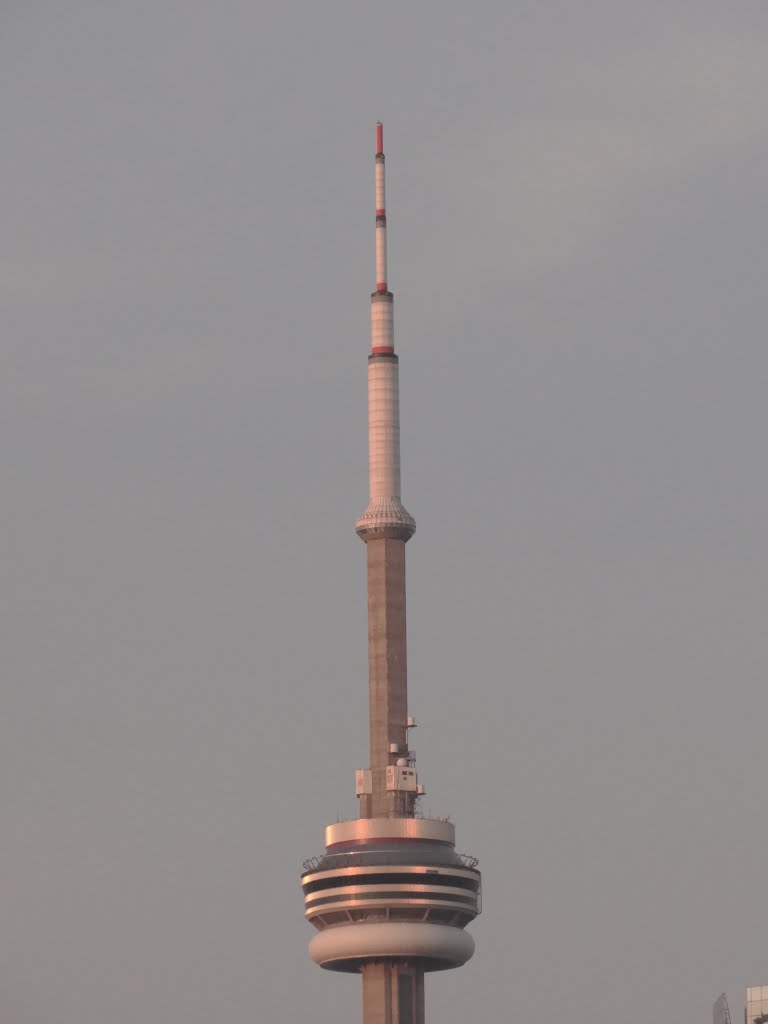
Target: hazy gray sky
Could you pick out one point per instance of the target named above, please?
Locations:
(578, 227)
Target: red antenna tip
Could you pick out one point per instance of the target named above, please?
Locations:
(379, 137)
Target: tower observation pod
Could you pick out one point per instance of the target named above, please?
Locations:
(390, 898)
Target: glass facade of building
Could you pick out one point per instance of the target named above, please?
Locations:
(756, 1006)
(720, 1012)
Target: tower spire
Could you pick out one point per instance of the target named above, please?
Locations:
(385, 513)
(381, 213)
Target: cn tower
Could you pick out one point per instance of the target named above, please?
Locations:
(390, 897)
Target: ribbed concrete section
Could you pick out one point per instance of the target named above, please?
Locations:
(387, 673)
(392, 994)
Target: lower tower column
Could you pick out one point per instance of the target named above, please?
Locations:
(392, 994)
(388, 688)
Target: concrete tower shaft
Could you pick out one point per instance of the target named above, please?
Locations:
(385, 526)
(390, 897)
(387, 684)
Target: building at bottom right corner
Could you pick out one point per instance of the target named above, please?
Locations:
(756, 1005)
